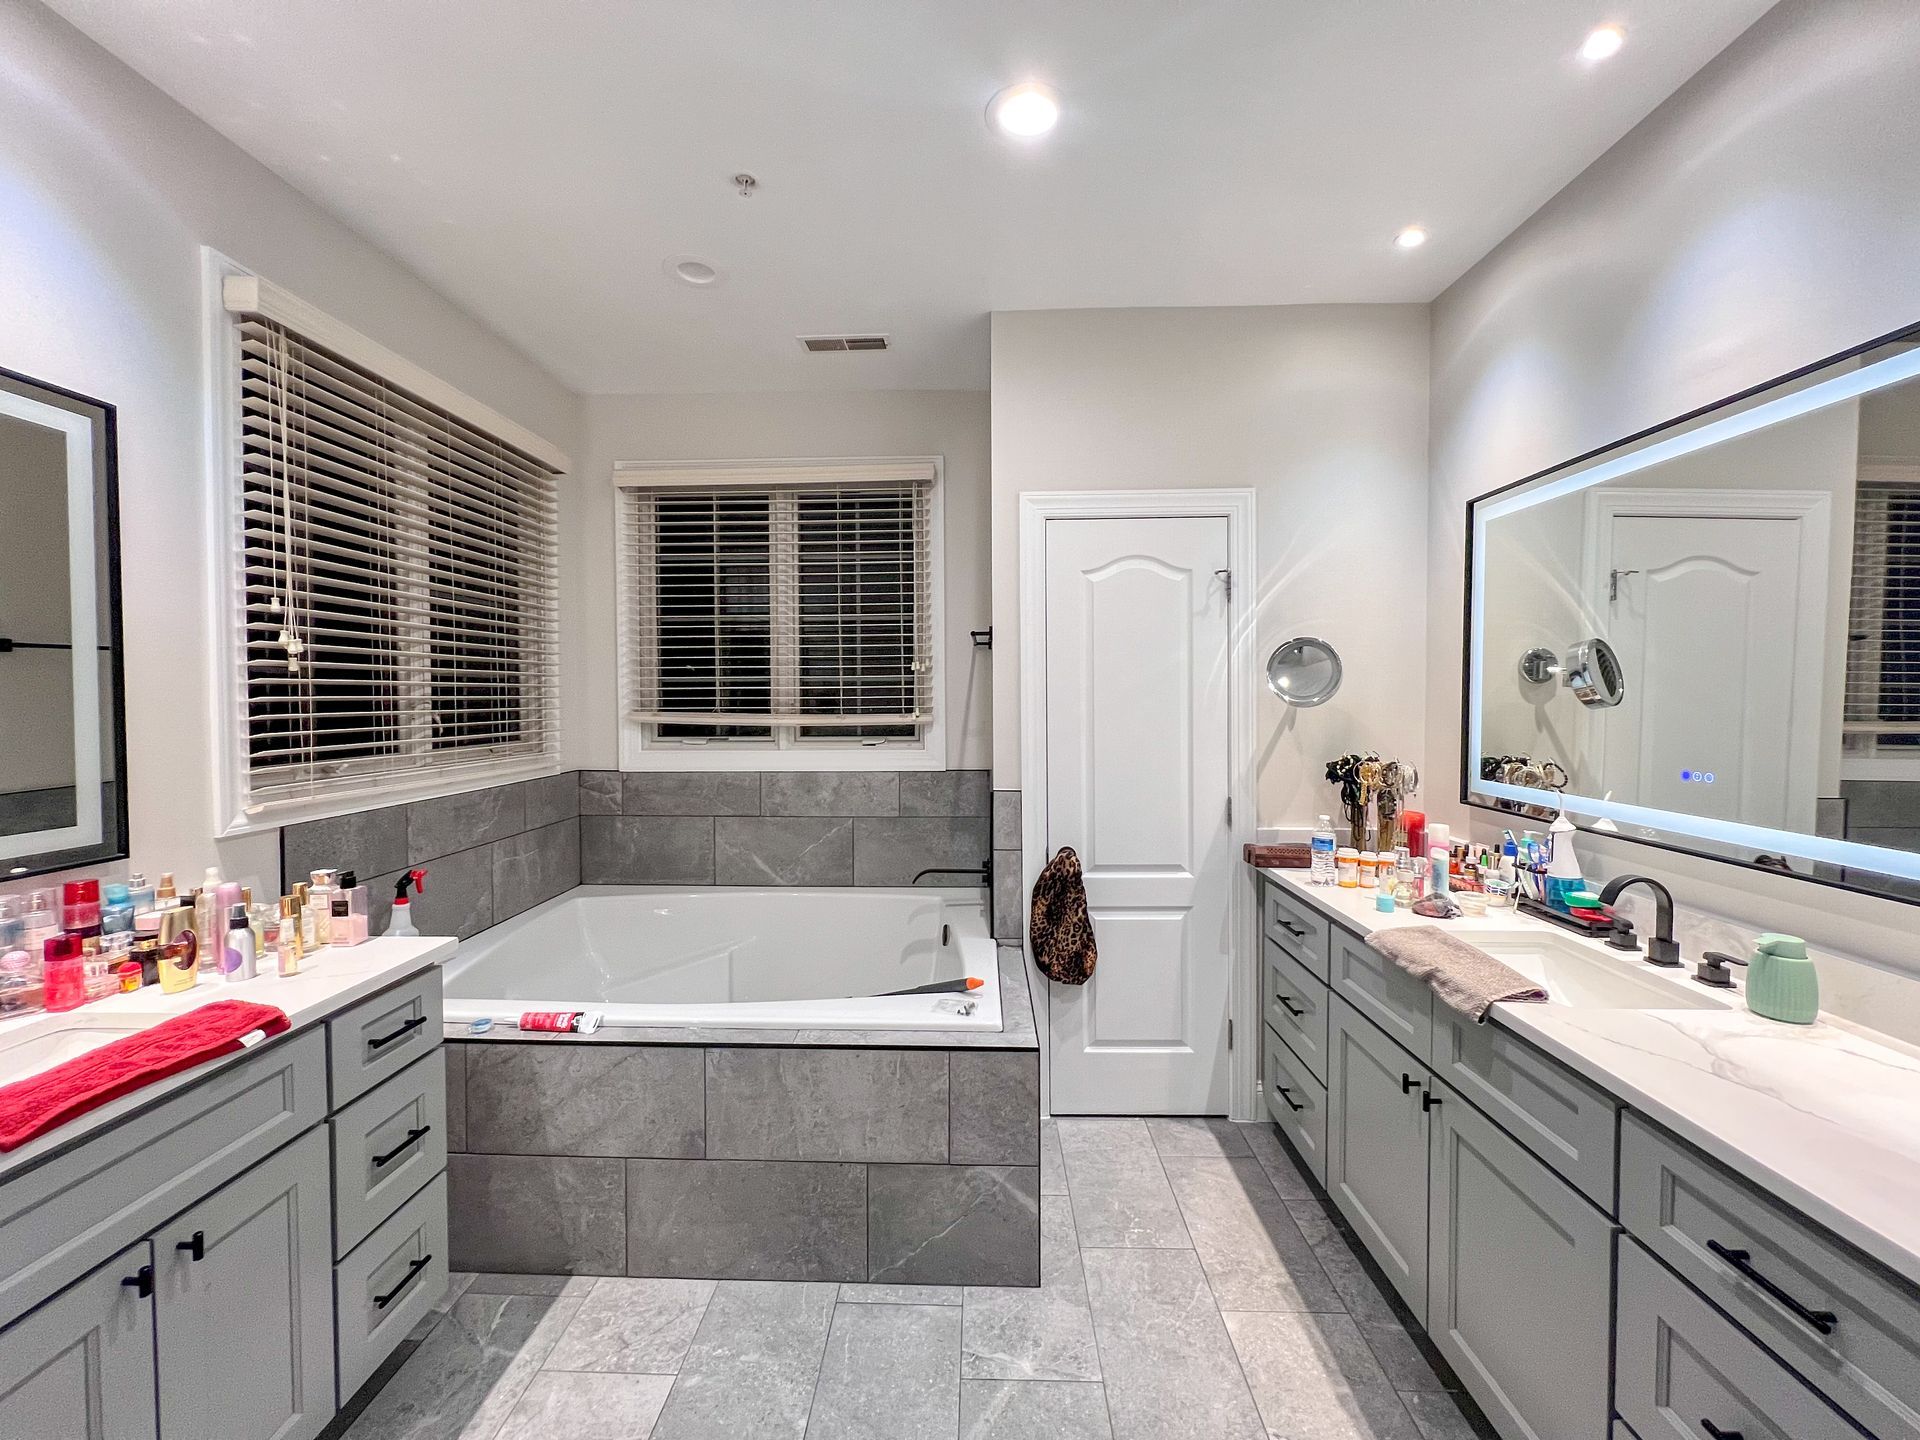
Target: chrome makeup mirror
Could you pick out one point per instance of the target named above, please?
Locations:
(1304, 671)
(62, 709)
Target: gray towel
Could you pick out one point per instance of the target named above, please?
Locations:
(1465, 978)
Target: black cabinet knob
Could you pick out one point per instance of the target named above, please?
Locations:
(196, 1247)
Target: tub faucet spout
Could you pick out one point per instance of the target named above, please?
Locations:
(984, 874)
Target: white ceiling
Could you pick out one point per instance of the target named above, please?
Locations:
(541, 162)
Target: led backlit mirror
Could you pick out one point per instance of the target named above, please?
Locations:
(1712, 632)
(62, 744)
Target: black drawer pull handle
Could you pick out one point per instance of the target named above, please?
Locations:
(1717, 1433)
(196, 1247)
(1742, 1260)
(1292, 929)
(413, 1138)
(1286, 1004)
(405, 1030)
(1429, 1100)
(1407, 1084)
(1287, 1095)
(413, 1270)
(141, 1280)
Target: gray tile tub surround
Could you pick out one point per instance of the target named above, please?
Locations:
(818, 828)
(492, 852)
(1009, 888)
(897, 1166)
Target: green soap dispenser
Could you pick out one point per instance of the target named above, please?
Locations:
(1781, 981)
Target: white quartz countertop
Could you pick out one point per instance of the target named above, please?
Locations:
(331, 980)
(1824, 1116)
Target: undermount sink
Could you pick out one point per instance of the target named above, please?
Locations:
(1583, 979)
(47, 1042)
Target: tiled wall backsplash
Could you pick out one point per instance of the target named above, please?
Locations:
(489, 854)
(781, 828)
(1009, 889)
(495, 852)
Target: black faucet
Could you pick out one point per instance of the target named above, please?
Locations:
(984, 872)
(1661, 949)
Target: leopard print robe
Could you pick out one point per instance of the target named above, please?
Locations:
(1057, 926)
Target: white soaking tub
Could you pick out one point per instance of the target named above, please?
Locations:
(716, 955)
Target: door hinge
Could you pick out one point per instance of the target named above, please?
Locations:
(1229, 810)
(1229, 1032)
(1226, 580)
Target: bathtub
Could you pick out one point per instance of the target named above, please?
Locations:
(716, 955)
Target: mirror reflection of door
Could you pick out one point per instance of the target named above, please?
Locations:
(36, 679)
(1701, 609)
(60, 733)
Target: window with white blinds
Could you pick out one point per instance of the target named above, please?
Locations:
(398, 594)
(780, 605)
(1883, 651)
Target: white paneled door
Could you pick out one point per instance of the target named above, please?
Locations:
(1137, 782)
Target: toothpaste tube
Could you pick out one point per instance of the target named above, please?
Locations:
(578, 1022)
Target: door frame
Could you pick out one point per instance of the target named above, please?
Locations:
(1812, 514)
(1236, 507)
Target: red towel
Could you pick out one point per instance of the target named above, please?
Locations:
(31, 1107)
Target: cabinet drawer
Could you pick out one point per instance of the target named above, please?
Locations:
(386, 1145)
(1519, 1280)
(395, 1276)
(1296, 1008)
(382, 1035)
(1682, 1367)
(1757, 1261)
(1565, 1120)
(1380, 990)
(1298, 1104)
(61, 1218)
(1294, 924)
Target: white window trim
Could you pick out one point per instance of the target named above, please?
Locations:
(220, 374)
(639, 751)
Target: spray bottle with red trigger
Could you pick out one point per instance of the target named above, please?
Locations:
(401, 925)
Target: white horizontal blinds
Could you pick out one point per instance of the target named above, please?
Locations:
(861, 615)
(756, 605)
(703, 568)
(1883, 653)
(399, 605)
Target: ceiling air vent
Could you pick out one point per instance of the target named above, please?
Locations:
(821, 344)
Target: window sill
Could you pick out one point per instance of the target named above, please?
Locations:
(638, 754)
(277, 815)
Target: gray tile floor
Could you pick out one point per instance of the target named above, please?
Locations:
(1194, 1284)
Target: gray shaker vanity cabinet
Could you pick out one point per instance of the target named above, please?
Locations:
(1519, 1280)
(244, 1295)
(1399, 1004)
(81, 1366)
(1377, 1107)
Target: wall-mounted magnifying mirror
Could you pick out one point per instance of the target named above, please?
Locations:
(1304, 671)
(1748, 580)
(62, 737)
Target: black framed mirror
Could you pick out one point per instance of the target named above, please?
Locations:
(63, 739)
(1709, 633)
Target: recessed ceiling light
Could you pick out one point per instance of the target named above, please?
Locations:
(1603, 43)
(1026, 110)
(689, 271)
(1411, 238)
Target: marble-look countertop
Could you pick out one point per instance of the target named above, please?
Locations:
(1824, 1116)
(331, 980)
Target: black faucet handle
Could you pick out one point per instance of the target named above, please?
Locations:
(1712, 969)
(1622, 936)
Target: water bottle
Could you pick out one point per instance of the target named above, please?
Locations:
(1322, 872)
